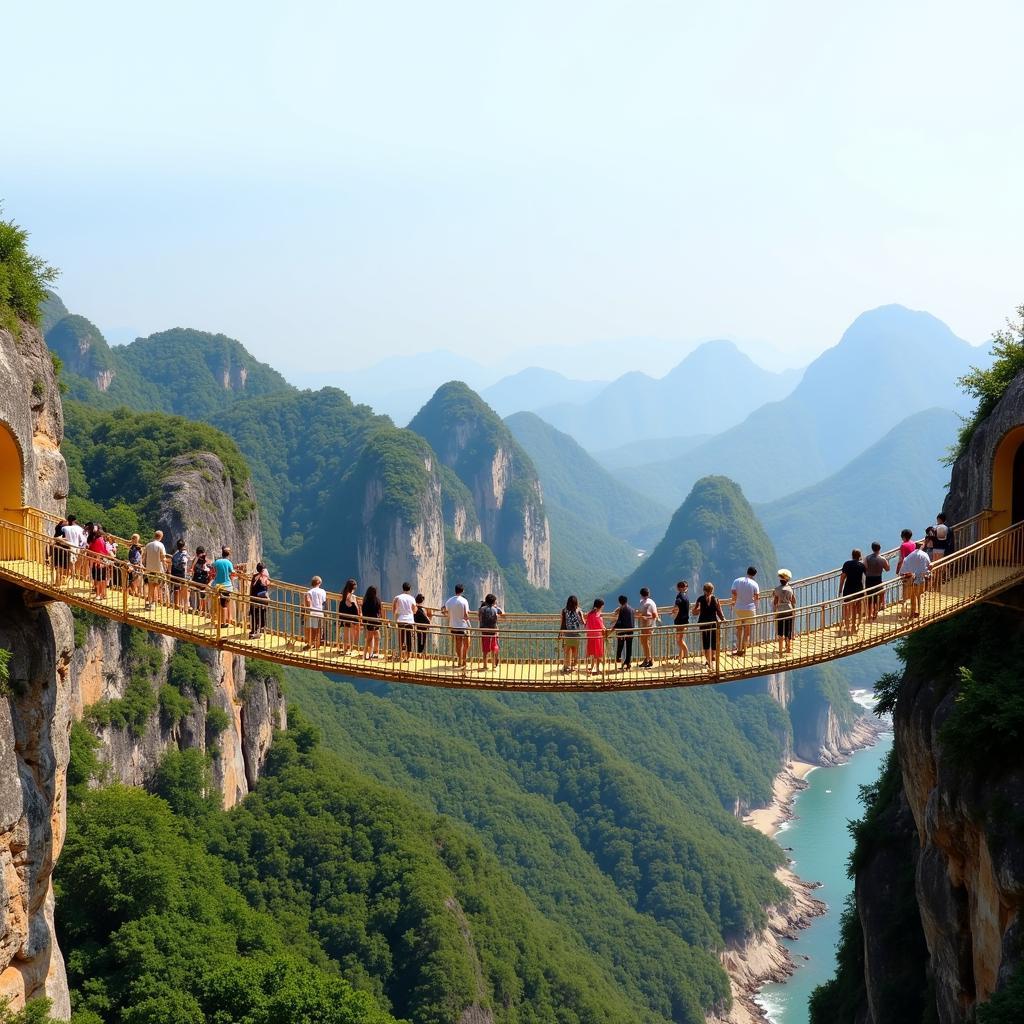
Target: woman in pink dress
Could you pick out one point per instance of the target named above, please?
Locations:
(595, 637)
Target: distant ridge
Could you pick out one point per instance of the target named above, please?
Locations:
(890, 363)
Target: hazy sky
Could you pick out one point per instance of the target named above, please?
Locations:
(335, 182)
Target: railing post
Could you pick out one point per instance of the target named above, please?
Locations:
(125, 578)
(718, 646)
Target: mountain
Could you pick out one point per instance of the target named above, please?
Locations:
(651, 449)
(849, 398)
(470, 438)
(574, 481)
(711, 389)
(534, 387)
(714, 535)
(899, 481)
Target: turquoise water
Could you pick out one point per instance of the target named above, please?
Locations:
(819, 845)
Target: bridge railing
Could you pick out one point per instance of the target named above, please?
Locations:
(531, 658)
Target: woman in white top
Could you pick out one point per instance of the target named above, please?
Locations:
(314, 601)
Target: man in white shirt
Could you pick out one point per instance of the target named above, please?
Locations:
(647, 614)
(457, 610)
(745, 593)
(916, 569)
(154, 561)
(404, 610)
(74, 538)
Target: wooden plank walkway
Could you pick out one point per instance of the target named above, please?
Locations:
(531, 650)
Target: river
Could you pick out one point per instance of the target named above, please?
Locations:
(819, 844)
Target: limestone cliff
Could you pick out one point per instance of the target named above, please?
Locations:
(940, 854)
(471, 440)
(34, 706)
(197, 503)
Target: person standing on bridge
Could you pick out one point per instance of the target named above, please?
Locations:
(349, 617)
(745, 594)
(851, 590)
(314, 600)
(595, 637)
(488, 616)
(372, 614)
(404, 610)
(223, 574)
(916, 570)
(625, 623)
(457, 610)
(709, 615)
(876, 565)
(647, 613)
(570, 632)
(154, 561)
(180, 561)
(682, 618)
(784, 606)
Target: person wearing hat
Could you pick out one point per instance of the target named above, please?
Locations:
(784, 604)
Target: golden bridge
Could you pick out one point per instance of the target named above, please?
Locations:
(531, 649)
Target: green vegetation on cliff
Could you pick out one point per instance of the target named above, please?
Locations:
(23, 279)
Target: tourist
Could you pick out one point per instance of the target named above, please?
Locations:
(202, 573)
(595, 638)
(784, 605)
(259, 589)
(349, 617)
(404, 610)
(135, 565)
(943, 538)
(179, 574)
(745, 593)
(223, 574)
(422, 619)
(457, 610)
(154, 561)
(682, 618)
(488, 616)
(648, 617)
(875, 565)
(98, 553)
(61, 553)
(916, 571)
(570, 632)
(624, 625)
(313, 601)
(907, 545)
(74, 537)
(851, 590)
(709, 615)
(372, 610)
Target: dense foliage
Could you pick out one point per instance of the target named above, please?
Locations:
(988, 384)
(613, 813)
(118, 459)
(23, 279)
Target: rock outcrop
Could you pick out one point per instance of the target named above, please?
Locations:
(83, 350)
(34, 704)
(472, 441)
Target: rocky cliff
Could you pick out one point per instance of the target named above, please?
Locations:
(34, 705)
(936, 930)
(471, 440)
(230, 707)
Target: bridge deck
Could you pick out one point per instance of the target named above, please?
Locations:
(531, 650)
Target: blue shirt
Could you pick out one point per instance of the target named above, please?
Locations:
(223, 569)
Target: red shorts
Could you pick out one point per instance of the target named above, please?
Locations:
(489, 644)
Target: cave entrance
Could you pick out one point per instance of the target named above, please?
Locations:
(11, 484)
(1008, 481)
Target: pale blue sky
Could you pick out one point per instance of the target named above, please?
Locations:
(335, 182)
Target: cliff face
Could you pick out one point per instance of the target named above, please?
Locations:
(472, 441)
(34, 706)
(197, 502)
(940, 858)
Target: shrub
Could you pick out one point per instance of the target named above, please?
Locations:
(173, 706)
(188, 674)
(217, 722)
(184, 780)
(5, 672)
(23, 279)
(83, 765)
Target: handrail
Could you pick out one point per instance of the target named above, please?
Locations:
(808, 589)
(531, 658)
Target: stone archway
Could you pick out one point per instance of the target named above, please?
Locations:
(12, 483)
(1008, 480)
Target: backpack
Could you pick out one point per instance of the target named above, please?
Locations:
(488, 616)
(950, 545)
(179, 563)
(201, 572)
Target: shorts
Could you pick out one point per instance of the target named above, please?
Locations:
(459, 630)
(489, 643)
(61, 556)
(572, 643)
(224, 593)
(373, 629)
(744, 613)
(154, 578)
(709, 636)
(856, 595)
(784, 626)
(314, 620)
(99, 573)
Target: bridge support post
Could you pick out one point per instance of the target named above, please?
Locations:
(125, 582)
(718, 647)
